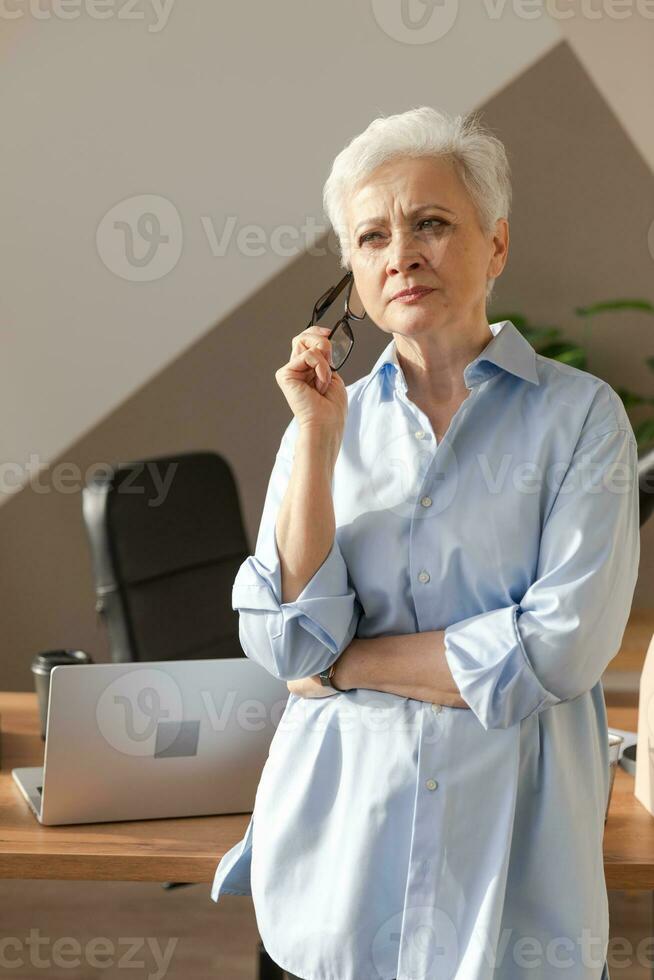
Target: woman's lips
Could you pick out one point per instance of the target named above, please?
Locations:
(414, 297)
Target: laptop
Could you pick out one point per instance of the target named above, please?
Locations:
(151, 739)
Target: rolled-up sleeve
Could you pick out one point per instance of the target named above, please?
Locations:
(557, 641)
(300, 638)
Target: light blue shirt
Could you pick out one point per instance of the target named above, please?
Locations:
(392, 837)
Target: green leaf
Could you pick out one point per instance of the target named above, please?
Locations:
(538, 335)
(567, 353)
(616, 304)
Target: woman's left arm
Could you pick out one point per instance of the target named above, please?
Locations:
(412, 665)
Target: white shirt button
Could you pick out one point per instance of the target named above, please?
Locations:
(420, 434)
(424, 576)
(437, 708)
(431, 784)
(426, 501)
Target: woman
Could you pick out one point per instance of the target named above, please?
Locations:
(457, 532)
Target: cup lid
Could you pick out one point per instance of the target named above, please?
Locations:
(44, 662)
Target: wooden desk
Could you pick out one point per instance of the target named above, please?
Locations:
(189, 849)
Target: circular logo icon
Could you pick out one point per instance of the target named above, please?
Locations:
(130, 709)
(415, 21)
(410, 481)
(429, 943)
(140, 238)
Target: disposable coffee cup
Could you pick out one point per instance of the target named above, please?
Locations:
(615, 743)
(41, 666)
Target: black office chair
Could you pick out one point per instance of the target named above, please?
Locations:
(167, 539)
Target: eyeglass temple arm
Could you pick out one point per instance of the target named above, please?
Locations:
(329, 296)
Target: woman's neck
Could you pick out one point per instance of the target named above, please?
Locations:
(433, 366)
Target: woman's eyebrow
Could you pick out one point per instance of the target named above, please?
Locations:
(412, 213)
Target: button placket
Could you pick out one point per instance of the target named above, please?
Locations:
(421, 544)
(424, 878)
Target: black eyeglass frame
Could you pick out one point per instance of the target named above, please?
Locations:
(323, 304)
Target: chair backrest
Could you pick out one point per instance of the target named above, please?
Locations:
(167, 539)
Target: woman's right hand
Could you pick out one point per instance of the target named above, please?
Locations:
(316, 394)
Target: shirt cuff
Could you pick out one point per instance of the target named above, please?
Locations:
(323, 608)
(489, 663)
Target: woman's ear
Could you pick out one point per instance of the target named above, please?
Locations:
(500, 253)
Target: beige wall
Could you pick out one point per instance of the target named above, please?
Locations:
(213, 114)
(618, 55)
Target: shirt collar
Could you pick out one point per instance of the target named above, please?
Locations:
(507, 350)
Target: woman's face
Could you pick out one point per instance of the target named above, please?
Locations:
(394, 247)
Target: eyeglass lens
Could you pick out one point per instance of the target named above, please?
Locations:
(341, 341)
(354, 304)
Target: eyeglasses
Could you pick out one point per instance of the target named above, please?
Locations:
(341, 336)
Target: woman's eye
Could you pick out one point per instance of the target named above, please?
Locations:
(425, 221)
(435, 221)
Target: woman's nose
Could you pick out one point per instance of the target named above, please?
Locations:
(403, 255)
(403, 263)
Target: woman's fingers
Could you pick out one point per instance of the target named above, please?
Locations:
(314, 331)
(312, 357)
(312, 337)
(307, 374)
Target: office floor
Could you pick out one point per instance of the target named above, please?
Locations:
(140, 922)
(176, 935)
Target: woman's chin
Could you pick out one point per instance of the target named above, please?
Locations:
(412, 319)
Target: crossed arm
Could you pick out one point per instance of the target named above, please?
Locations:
(412, 665)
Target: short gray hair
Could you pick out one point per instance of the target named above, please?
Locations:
(479, 158)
